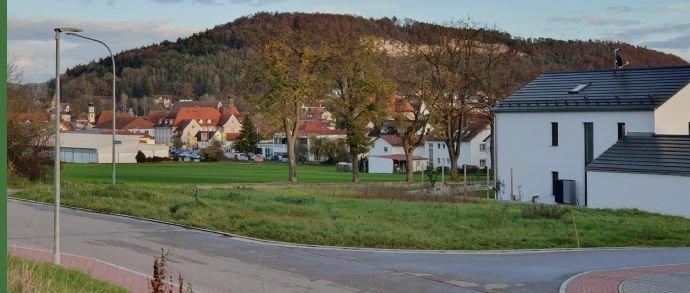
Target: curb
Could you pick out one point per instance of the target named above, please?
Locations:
(344, 248)
(564, 285)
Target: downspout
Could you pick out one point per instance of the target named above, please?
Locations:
(494, 153)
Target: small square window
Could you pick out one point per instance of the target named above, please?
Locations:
(385, 149)
(482, 147)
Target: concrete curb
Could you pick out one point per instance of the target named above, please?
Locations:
(344, 248)
(564, 285)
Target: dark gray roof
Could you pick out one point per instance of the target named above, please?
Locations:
(606, 90)
(648, 154)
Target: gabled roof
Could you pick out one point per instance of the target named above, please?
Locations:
(399, 104)
(127, 122)
(393, 140)
(106, 116)
(318, 128)
(189, 104)
(156, 116)
(196, 113)
(647, 154)
(232, 110)
(641, 89)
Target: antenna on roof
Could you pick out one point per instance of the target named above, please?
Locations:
(618, 59)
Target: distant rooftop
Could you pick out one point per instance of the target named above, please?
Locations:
(648, 154)
(640, 89)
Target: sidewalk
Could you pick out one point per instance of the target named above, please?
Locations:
(132, 281)
(664, 278)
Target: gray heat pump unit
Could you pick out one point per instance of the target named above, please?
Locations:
(565, 192)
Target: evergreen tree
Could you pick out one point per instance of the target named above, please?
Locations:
(246, 141)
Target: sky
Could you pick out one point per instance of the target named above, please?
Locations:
(127, 24)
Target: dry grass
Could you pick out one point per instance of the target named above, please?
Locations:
(28, 276)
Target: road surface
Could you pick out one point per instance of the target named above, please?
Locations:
(216, 263)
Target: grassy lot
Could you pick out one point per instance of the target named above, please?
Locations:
(28, 276)
(372, 217)
(220, 173)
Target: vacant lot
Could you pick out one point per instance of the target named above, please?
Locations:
(372, 216)
(28, 276)
(220, 173)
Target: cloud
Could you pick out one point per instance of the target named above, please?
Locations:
(646, 31)
(593, 20)
(619, 9)
(33, 41)
(680, 42)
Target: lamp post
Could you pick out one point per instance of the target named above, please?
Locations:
(56, 222)
(112, 59)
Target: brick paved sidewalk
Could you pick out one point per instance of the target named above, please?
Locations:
(608, 281)
(130, 280)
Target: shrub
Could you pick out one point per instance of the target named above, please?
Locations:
(543, 211)
(141, 158)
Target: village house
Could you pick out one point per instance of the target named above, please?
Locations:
(388, 156)
(551, 130)
(316, 129)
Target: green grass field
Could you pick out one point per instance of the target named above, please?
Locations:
(220, 173)
(29, 276)
(369, 216)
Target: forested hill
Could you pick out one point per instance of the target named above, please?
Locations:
(215, 61)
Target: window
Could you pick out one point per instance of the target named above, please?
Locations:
(482, 147)
(578, 88)
(554, 133)
(385, 149)
(621, 130)
(438, 146)
(554, 182)
(482, 163)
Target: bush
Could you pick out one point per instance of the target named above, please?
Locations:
(141, 158)
(156, 159)
(543, 211)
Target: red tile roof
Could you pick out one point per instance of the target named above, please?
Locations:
(319, 128)
(198, 113)
(231, 111)
(399, 104)
(231, 136)
(127, 122)
(394, 140)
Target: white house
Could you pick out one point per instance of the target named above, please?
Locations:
(474, 148)
(388, 156)
(643, 171)
(553, 127)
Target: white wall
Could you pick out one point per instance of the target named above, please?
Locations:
(380, 165)
(648, 192)
(382, 147)
(523, 143)
(673, 116)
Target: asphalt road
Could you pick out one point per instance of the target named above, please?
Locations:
(215, 263)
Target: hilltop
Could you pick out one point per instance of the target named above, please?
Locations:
(215, 62)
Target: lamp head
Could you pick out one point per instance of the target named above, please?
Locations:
(67, 30)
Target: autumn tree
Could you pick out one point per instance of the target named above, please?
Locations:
(289, 78)
(411, 115)
(360, 91)
(455, 62)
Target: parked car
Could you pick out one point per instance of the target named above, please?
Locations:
(259, 158)
(276, 158)
(241, 157)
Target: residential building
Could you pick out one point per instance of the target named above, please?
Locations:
(547, 132)
(387, 155)
(643, 171)
(82, 147)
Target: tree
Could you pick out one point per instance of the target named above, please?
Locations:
(411, 124)
(455, 62)
(140, 157)
(289, 77)
(360, 92)
(246, 141)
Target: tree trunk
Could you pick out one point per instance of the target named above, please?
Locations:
(409, 168)
(292, 158)
(355, 167)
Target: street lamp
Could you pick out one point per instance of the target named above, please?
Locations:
(112, 58)
(56, 222)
